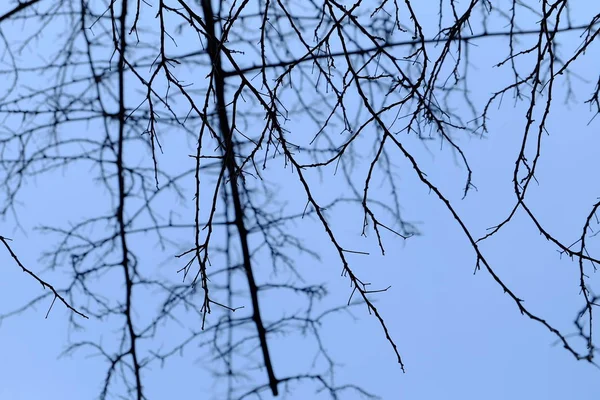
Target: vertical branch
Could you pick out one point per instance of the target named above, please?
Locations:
(229, 284)
(230, 164)
(122, 197)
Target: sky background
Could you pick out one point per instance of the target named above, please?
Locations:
(458, 334)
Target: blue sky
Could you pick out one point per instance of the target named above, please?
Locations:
(459, 335)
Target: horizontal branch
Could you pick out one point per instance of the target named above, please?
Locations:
(416, 42)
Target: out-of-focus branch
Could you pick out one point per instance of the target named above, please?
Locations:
(20, 7)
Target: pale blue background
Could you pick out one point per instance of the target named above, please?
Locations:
(459, 335)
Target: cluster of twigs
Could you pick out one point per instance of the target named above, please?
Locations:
(257, 88)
